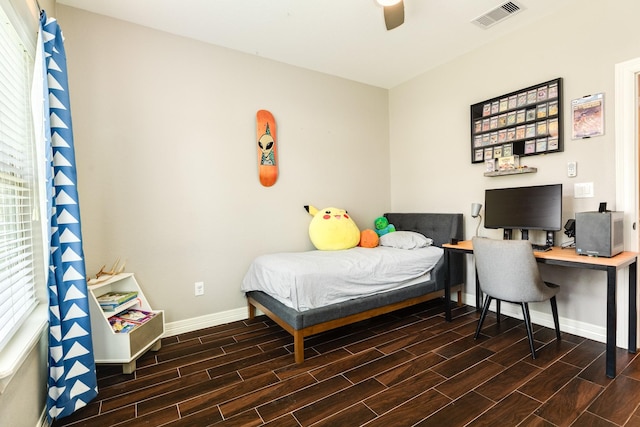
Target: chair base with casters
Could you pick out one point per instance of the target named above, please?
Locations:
(525, 315)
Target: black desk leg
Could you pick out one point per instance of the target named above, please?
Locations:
(447, 286)
(611, 322)
(633, 313)
(478, 293)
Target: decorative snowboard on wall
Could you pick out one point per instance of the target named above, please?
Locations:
(267, 148)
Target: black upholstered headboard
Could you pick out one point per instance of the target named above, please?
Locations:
(441, 227)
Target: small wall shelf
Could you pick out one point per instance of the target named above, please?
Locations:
(517, 171)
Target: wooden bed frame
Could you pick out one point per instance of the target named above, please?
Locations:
(440, 227)
(300, 334)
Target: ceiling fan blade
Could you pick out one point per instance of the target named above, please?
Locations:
(394, 15)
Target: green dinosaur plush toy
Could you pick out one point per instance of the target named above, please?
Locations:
(383, 227)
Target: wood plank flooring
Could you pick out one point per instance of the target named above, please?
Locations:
(408, 368)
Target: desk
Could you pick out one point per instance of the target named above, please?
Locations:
(569, 258)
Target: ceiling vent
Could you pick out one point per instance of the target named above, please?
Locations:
(498, 14)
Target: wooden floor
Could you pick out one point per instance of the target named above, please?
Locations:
(402, 369)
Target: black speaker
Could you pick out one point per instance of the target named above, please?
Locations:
(602, 207)
(599, 233)
(570, 228)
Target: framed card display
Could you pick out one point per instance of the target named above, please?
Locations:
(529, 120)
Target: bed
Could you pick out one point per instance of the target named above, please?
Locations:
(303, 313)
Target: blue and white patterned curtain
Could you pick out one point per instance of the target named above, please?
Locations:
(72, 372)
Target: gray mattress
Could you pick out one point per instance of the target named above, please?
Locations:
(438, 226)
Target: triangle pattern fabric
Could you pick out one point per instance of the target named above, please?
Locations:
(75, 331)
(72, 372)
(57, 122)
(76, 350)
(55, 331)
(62, 180)
(53, 83)
(53, 66)
(76, 370)
(60, 160)
(74, 312)
(69, 255)
(57, 140)
(64, 199)
(55, 102)
(71, 274)
(66, 217)
(56, 373)
(68, 236)
(74, 293)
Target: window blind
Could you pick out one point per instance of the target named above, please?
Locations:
(17, 184)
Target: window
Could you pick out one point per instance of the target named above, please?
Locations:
(19, 228)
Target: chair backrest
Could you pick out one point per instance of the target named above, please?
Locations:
(507, 270)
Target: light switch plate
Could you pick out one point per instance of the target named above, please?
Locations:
(583, 190)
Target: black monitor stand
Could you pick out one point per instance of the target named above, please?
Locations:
(550, 238)
(525, 236)
(508, 233)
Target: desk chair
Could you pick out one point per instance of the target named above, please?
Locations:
(508, 271)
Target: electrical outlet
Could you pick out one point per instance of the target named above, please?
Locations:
(199, 288)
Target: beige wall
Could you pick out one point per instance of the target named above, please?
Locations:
(166, 148)
(164, 131)
(23, 402)
(430, 132)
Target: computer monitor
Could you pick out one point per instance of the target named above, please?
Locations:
(524, 208)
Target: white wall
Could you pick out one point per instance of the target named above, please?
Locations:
(430, 132)
(167, 166)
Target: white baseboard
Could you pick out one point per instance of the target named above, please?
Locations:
(581, 329)
(207, 321)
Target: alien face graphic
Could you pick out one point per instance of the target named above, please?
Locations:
(266, 146)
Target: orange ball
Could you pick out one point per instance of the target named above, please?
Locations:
(369, 238)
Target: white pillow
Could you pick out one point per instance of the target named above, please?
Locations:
(405, 240)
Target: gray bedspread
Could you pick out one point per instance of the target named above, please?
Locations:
(440, 227)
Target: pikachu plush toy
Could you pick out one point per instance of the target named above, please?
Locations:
(332, 229)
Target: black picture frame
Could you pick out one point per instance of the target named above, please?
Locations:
(537, 106)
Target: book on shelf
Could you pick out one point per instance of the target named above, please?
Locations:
(122, 326)
(129, 319)
(136, 315)
(111, 300)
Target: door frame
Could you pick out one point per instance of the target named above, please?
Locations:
(626, 128)
(626, 143)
